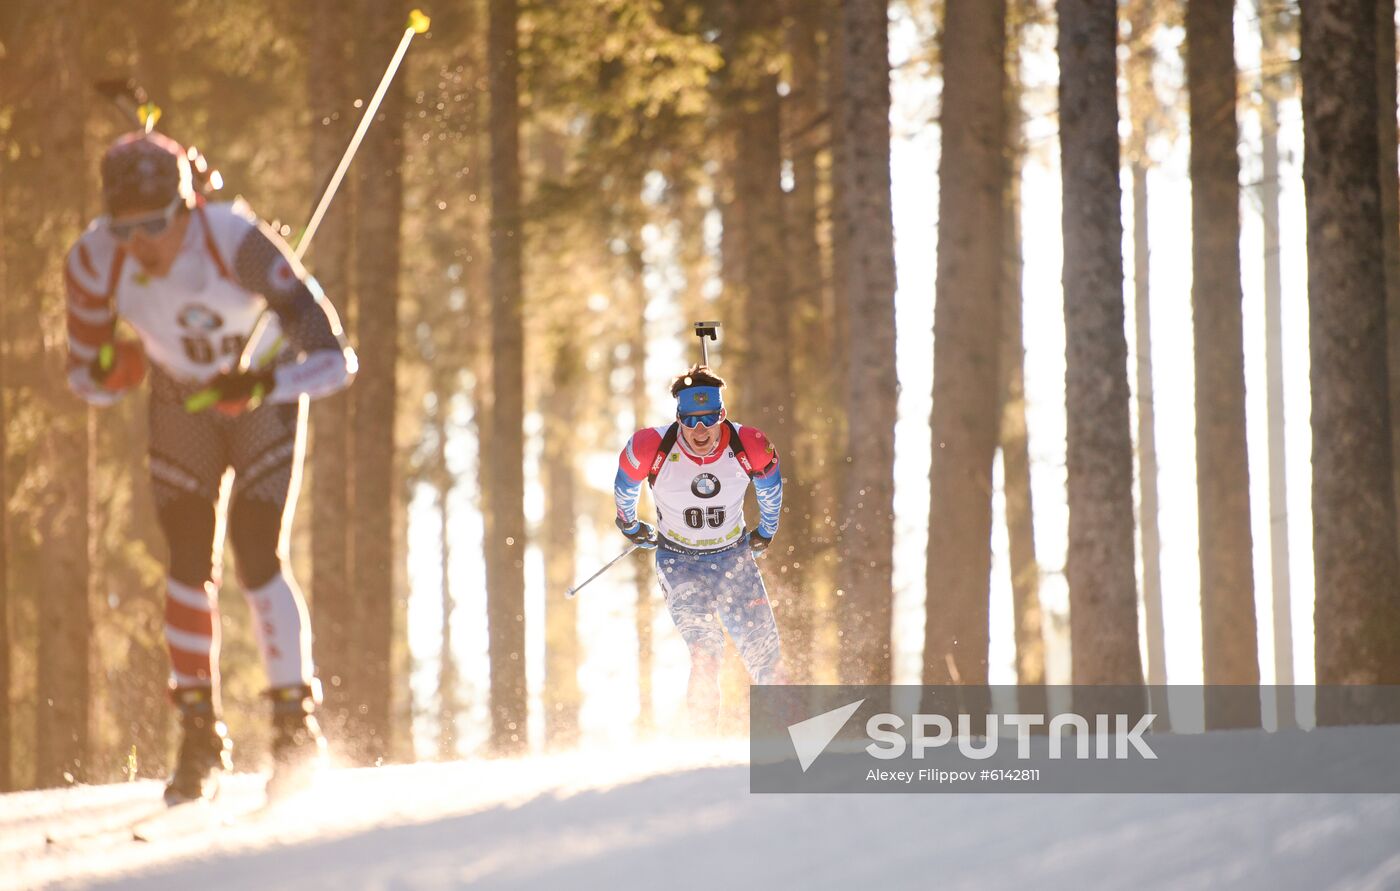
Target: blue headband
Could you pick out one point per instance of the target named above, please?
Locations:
(699, 401)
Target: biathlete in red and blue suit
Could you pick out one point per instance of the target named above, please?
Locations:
(700, 468)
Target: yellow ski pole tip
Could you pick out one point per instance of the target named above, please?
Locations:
(149, 115)
(418, 21)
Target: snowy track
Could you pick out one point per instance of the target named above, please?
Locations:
(681, 816)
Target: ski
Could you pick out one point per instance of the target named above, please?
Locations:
(192, 818)
(115, 825)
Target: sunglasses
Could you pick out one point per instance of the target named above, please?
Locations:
(151, 224)
(693, 421)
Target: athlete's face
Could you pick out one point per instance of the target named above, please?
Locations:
(155, 252)
(701, 439)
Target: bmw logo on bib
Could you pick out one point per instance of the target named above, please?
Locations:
(706, 485)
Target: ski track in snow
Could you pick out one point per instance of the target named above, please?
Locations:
(679, 815)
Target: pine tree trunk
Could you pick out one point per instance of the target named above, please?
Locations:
(1228, 628)
(870, 387)
(6, 715)
(1145, 110)
(1357, 615)
(764, 399)
(561, 696)
(828, 636)
(1148, 507)
(1274, 53)
(380, 201)
(1100, 560)
(803, 122)
(449, 679)
(1015, 448)
(65, 611)
(505, 519)
(333, 612)
(968, 336)
(1390, 208)
(645, 575)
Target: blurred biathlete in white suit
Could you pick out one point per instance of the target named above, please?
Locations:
(700, 467)
(192, 278)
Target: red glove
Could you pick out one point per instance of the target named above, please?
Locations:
(119, 366)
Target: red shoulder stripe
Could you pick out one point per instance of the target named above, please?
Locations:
(640, 454)
(758, 447)
(86, 259)
(210, 244)
(115, 274)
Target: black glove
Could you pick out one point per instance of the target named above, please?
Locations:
(234, 392)
(638, 533)
(758, 542)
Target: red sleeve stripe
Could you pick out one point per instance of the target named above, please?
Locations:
(80, 296)
(92, 335)
(91, 316)
(79, 353)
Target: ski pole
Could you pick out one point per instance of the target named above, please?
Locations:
(573, 592)
(417, 24)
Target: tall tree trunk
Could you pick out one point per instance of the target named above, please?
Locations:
(865, 219)
(1228, 627)
(1148, 506)
(966, 415)
(804, 130)
(1015, 448)
(1357, 613)
(65, 614)
(333, 606)
(561, 696)
(752, 96)
(1100, 564)
(645, 575)
(1390, 208)
(828, 636)
(380, 202)
(6, 715)
(505, 516)
(1145, 110)
(449, 679)
(1273, 55)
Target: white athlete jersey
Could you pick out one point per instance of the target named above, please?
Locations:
(193, 322)
(701, 505)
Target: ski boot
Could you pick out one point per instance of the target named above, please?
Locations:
(205, 750)
(298, 749)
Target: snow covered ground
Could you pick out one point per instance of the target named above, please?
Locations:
(680, 815)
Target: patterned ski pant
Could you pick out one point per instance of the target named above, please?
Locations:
(709, 594)
(189, 453)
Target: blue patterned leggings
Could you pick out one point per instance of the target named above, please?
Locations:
(709, 594)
